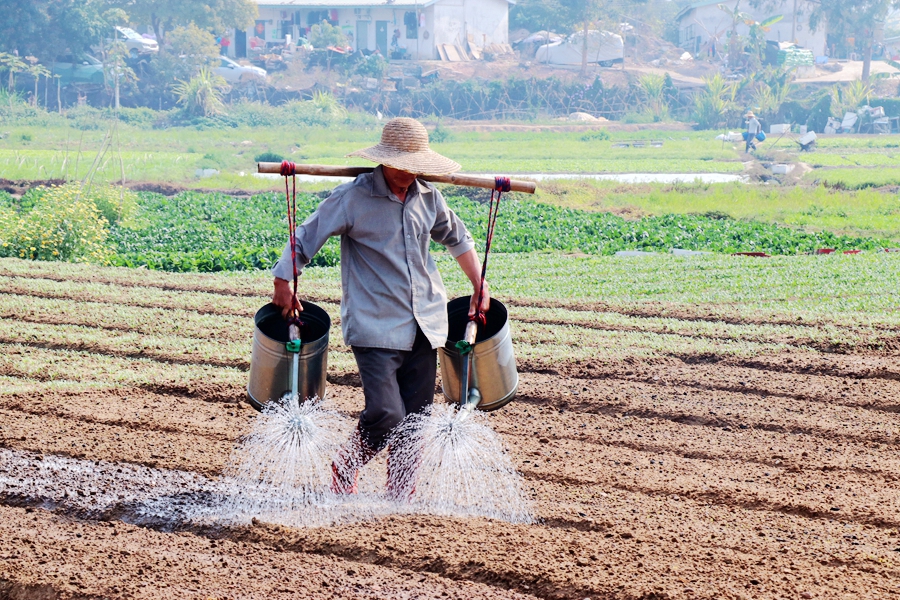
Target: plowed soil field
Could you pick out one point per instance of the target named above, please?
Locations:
(734, 442)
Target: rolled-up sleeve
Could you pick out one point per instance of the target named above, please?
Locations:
(449, 230)
(329, 219)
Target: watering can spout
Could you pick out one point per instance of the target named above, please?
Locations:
(465, 347)
(469, 407)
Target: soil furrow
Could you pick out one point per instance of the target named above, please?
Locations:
(792, 342)
(724, 411)
(829, 386)
(795, 462)
(255, 285)
(226, 333)
(339, 356)
(169, 298)
(150, 298)
(864, 367)
(60, 366)
(697, 442)
(865, 498)
(105, 350)
(124, 560)
(689, 313)
(840, 398)
(100, 441)
(119, 317)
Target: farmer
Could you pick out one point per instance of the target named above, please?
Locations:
(393, 305)
(753, 129)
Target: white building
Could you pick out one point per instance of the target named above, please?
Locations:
(703, 25)
(371, 24)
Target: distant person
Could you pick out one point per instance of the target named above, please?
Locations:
(224, 44)
(753, 129)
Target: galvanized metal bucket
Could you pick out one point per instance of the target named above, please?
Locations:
(270, 362)
(494, 365)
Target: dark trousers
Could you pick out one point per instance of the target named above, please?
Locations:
(395, 383)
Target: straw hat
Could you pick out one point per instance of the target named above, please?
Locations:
(749, 115)
(404, 146)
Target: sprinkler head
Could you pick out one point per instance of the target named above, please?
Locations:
(299, 424)
(299, 427)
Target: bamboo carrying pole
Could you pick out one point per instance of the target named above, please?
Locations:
(456, 179)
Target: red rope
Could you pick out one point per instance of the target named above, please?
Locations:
(289, 169)
(501, 184)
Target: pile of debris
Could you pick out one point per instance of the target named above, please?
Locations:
(472, 51)
(866, 119)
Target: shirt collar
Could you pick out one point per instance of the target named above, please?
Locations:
(380, 186)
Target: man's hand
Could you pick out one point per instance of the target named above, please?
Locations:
(468, 262)
(485, 302)
(283, 297)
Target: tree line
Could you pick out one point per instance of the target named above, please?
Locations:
(47, 28)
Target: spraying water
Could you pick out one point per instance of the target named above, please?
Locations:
(282, 467)
(450, 462)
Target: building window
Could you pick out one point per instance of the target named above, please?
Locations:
(317, 16)
(412, 25)
(687, 35)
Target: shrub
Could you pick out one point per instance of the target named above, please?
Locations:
(187, 50)
(325, 34)
(62, 224)
(819, 113)
(116, 204)
(86, 118)
(601, 135)
(201, 96)
(440, 134)
(374, 65)
(267, 157)
(711, 107)
(323, 109)
(14, 109)
(254, 114)
(139, 117)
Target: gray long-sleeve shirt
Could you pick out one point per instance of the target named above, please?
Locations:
(753, 126)
(389, 279)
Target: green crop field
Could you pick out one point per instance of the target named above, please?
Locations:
(173, 155)
(865, 212)
(858, 178)
(833, 197)
(195, 231)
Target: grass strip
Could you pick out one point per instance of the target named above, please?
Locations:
(65, 366)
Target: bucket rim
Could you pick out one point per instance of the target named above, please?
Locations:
(494, 305)
(313, 310)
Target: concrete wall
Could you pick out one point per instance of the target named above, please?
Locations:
(443, 22)
(486, 21)
(699, 25)
(357, 22)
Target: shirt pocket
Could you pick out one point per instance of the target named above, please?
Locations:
(423, 242)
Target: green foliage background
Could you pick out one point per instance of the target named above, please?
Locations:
(195, 231)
